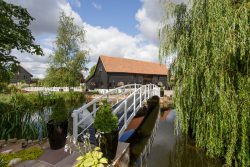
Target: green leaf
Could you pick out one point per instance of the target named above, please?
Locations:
(103, 160)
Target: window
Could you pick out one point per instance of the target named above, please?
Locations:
(100, 69)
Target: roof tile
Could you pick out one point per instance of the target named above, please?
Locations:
(123, 65)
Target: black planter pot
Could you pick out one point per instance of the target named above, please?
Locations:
(108, 144)
(57, 133)
(161, 93)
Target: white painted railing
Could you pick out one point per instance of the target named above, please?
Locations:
(53, 89)
(127, 108)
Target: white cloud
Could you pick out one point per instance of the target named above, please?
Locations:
(97, 6)
(149, 18)
(108, 41)
(111, 41)
(45, 12)
(36, 65)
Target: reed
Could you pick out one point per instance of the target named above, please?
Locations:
(25, 115)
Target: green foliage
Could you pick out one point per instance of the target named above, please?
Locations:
(2, 162)
(68, 60)
(92, 159)
(14, 34)
(22, 114)
(161, 88)
(91, 72)
(62, 77)
(26, 154)
(3, 87)
(105, 120)
(59, 111)
(211, 71)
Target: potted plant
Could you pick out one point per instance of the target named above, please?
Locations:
(57, 125)
(162, 91)
(107, 124)
(93, 158)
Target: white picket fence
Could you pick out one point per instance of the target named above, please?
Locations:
(53, 89)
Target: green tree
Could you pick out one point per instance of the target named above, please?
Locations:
(91, 72)
(211, 71)
(68, 59)
(14, 34)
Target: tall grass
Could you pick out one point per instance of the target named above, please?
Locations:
(26, 115)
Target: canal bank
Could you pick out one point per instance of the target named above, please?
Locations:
(170, 149)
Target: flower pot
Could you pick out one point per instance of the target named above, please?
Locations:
(57, 133)
(108, 144)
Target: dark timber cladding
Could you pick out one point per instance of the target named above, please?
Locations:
(112, 72)
(21, 75)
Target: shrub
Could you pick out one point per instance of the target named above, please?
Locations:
(27, 154)
(92, 158)
(12, 88)
(2, 162)
(59, 111)
(3, 87)
(105, 121)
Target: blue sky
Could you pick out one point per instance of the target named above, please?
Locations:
(119, 28)
(106, 13)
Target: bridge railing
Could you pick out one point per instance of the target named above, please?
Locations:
(83, 118)
(129, 107)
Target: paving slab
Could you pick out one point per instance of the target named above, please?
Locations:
(69, 161)
(53, 156)
(42, 164)
(28, 163)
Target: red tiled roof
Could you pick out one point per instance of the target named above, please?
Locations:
(122, 65)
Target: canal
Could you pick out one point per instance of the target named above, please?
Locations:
(171, 149)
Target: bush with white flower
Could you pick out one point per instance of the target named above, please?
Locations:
(90, 156)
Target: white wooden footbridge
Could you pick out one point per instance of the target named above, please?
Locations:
(128, 100)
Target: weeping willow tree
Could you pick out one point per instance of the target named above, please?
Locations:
(211, 72)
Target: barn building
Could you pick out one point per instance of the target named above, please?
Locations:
(22, 75)
(112, 72)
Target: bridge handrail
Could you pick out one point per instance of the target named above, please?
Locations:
(98, 99)
(145, 91)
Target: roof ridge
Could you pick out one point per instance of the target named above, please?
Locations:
(131, 59)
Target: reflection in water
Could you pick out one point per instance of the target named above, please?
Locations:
(171, 150)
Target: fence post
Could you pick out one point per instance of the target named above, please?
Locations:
(145, 93)
(107, 97)
(140, 97)
(75, 122)
(148, 91)
(153, 90)
(134, 103)
(94, 109)
(125, 113)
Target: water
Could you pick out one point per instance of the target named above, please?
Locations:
(30, 125)
(172, 150)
